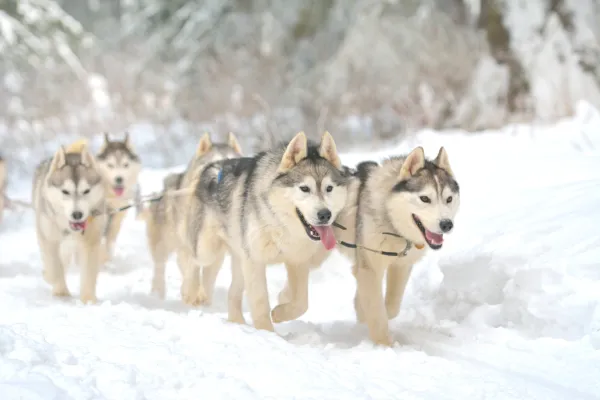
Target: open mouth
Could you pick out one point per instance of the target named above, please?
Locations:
(324, 233)
(119, 190)
(77, 225)
(434, 240)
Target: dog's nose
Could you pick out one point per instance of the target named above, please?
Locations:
(119, 180)
(77, 215)
(446, 225)
(324, 216)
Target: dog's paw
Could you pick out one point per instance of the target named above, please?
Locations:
(158, 290)
(191, 299)
(88, 298)
(203, 298)
(285, 296)
(237, 319)
(278, 314)
(60, 291)
(382, 339)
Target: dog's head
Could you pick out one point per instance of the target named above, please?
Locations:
(209, 151)
(120, 165)
(310, 188)
(425, 199)
(74, 184)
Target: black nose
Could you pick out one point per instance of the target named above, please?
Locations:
(118, 180)
(446, 225)
(324, 215)
(77, 215)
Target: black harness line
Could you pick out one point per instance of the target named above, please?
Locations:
(402, 253)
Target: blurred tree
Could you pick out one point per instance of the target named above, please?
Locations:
(39, 33)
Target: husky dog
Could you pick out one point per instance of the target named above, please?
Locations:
(275, 207)
(120, 167)
(69, 204)
(2, 186)
(396, 207)
(161, 216)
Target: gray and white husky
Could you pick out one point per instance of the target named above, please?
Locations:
(275, 207)
(70, 215)
(120, 167)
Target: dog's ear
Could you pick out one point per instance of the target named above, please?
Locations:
(59, 159)
(127, 141)
(204, 146)
(295, 152)
(87, 158)
(105, 142)
(328, 151)
(234, 144)
(414, 162)
(442, 161)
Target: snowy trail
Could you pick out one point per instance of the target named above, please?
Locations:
(509, 309)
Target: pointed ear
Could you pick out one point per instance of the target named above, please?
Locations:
(204, 146)
(295, 152)
(87, 158)
(59, 159)
(105, 141)
(442, 161)
(234, 144)
(414, 162)
(127, 141)
(328, 151)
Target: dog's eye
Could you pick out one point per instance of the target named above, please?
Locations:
(305, 189)
(110, 166)
(86, 191)
(65, 192)
(125, 165)
(449, 199)
(425, 199)
(329, 188)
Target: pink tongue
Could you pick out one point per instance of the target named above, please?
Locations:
(327, 236)
(118, 191)
(78, 225)
(434, 237)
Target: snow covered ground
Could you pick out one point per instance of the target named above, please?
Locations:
(508, 309)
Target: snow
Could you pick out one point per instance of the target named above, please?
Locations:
(508, 309)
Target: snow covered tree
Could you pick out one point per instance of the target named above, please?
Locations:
(40, 43)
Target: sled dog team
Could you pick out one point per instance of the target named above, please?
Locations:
(291, 204)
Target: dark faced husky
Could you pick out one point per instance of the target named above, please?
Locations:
(275, 207)
(69, 204)
(403, 206)
(120, 167)
(162, 216)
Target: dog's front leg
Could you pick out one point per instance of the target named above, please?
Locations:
(53, 268)
(369, 297)
(397, 278)
(113, 230)
(90, 253)
(255, 282)
(297, 291)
